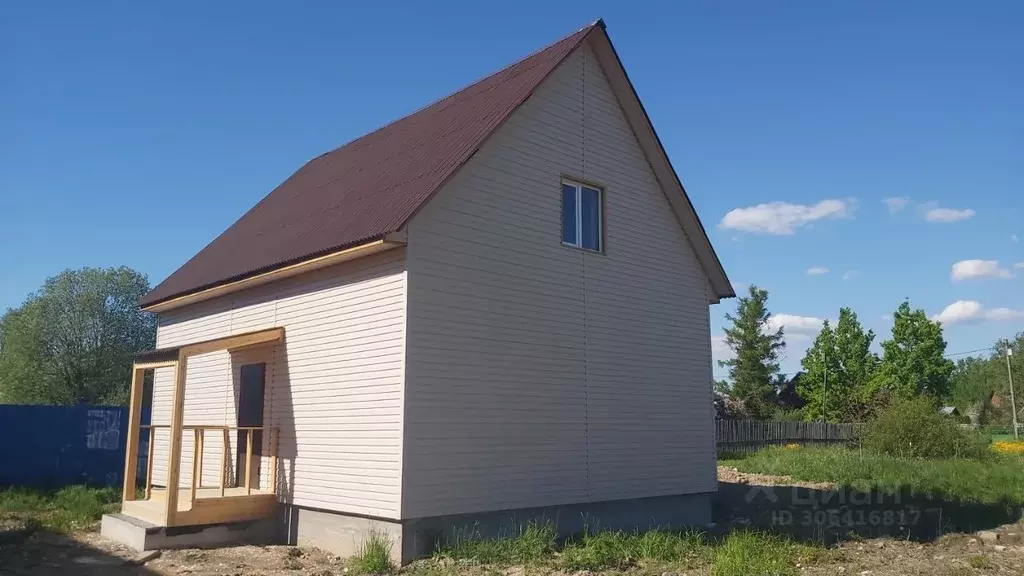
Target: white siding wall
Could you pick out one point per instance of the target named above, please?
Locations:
(334, 389)
(539, 374)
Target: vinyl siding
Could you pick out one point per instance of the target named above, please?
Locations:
(334, 388)
(539, 374)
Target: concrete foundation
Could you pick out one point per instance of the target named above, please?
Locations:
(142, 536)
(343, 534)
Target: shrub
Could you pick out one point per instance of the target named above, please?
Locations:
(915, 429)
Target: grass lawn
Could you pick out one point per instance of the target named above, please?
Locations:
(65, 510)
(741, 553)
(999, 478)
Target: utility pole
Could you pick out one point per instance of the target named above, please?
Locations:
(1013, 401)
(824, 385)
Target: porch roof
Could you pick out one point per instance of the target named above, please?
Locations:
(172, 354)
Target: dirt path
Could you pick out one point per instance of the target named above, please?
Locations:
(734, 476)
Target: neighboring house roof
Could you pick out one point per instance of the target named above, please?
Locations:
(371, 187)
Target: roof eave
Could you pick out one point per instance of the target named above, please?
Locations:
(279, 272)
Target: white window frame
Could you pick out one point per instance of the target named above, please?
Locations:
(579, 186)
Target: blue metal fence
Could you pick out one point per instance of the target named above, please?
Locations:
(53, 446)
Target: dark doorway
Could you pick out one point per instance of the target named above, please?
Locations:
(252, 385)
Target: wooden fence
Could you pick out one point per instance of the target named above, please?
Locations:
(750, 435)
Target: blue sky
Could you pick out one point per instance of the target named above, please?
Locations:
(133, 133)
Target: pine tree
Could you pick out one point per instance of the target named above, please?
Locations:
(756, 352)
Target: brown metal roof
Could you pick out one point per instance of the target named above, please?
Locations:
(369, 187)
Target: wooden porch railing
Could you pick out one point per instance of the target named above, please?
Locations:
(198, 446)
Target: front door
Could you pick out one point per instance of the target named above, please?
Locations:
(251, 388)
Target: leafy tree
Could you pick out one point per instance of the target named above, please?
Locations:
(845, 352)
(73, 341)
(820, 385)
(974, 381)
(756, 350)
(913, 362)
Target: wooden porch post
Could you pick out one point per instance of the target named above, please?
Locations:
(131, 458)
(174, 463)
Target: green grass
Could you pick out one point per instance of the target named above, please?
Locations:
(536, 545)
(374, 556)
(746, 553)
(996, 479)
(65, 510)
(530, 544)
(622, 549)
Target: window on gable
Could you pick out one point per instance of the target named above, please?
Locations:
(582, 216)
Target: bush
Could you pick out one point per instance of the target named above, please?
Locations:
(915, 429)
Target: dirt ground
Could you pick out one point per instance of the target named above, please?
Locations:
(32, 552)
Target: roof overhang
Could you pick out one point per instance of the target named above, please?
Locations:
(278, 273)
(170, 356)
(642, 127)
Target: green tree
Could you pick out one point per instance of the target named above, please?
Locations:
(843, 355)
(73, 341)
(756, 351)
(913, 362)
(973, 383)
(820, 386)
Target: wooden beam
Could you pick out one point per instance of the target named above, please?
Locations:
(284, 272)
(131, 457)
(195, 467)
(233, 342)
(272, 472)
(174, 461)
(149, 464)
(248, 463)
(224, 462)
(155, 365)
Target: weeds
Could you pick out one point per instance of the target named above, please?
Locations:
(68, 509)
(374, 555)
(979, 562)
(537, 545)
(621, 549)
(745, 553)
(535, 541)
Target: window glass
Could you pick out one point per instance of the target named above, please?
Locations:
(590, 217)
(569, 215)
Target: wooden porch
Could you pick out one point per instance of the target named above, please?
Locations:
(248, 496)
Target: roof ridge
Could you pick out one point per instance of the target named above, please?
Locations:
(598, 22)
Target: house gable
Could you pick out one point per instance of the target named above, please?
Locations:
(539, 374)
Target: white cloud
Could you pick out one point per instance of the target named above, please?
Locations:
(796, 327)
(817, 271)
(896, 203)
(966, 269)
(783, 218)
(1019, 265)
(933, 213)
(851, 274)
(1014, 238)
(972, 311)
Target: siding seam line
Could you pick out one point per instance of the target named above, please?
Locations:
(583, 284)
